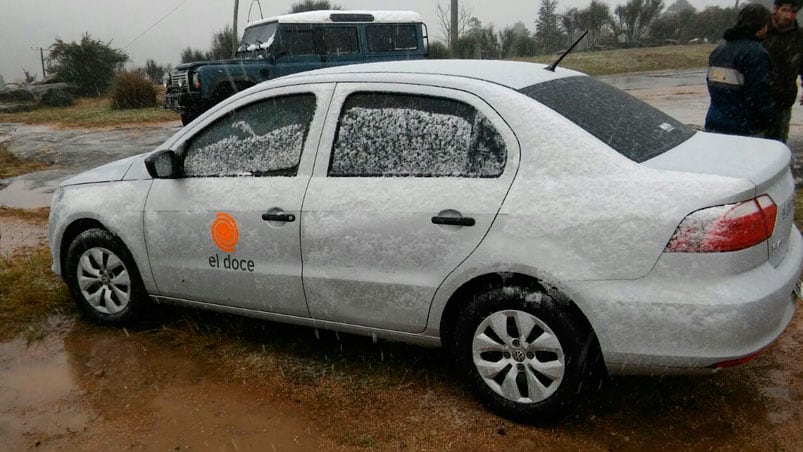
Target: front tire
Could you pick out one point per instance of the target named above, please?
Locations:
(103, 279)
(187, 117)
(524, 354)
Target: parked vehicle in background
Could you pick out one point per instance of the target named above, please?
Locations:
(293, 43)
(542, 226)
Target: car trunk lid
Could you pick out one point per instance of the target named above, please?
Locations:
(765, 163)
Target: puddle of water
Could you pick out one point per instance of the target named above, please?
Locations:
(37, 393)
(23, 194)
(89, 388)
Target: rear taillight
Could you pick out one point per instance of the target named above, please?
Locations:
(731, 227)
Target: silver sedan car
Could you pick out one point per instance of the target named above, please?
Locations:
(540, 225)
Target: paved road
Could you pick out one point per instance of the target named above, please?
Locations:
(681, 94)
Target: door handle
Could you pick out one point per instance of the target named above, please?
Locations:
(454, 221)
(287, 217)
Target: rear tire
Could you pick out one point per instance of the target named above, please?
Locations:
(524, 354)
(103, 279)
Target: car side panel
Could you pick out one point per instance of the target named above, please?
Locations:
(372, 255)
(118, 206)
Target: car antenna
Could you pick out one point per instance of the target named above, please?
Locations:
(552, 66)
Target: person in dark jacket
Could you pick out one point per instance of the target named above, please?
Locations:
(784, 42)
(739, 78)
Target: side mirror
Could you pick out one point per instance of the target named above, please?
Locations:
(162, 165)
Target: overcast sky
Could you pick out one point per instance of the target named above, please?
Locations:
(160, 29)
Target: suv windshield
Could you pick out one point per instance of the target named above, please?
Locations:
(630, 126)
(258, 37)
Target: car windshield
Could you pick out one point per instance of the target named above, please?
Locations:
(257, 37)
(632, 127)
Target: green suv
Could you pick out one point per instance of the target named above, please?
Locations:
(293, 43)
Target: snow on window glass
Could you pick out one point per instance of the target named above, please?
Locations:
(382, 134)
(263, 138)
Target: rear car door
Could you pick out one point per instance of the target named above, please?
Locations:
(227, 230)
(407, 182)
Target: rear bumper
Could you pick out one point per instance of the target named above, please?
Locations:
(664, 323)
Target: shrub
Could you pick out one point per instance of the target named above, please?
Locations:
(132, 90)
(88, 65)
(61, 97)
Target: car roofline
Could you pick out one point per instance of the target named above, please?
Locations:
(325, 17)
(423, 68)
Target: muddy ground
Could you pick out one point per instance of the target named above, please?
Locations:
(198, 381)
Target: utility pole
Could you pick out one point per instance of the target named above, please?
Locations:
(234, 26)
(42, 58)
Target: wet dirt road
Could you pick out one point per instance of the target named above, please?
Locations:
(272, 387)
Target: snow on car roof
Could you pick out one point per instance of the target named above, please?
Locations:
(513, 74)
(325, 16)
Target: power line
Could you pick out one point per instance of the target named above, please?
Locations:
(156, 23)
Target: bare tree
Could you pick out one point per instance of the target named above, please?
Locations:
(635, 17)
(445, 21)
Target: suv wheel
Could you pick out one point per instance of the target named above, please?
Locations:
(103, 279)
(523, 353)
(187, 117)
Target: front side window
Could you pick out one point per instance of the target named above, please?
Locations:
(297, 40)
(340, 40)
(388, 134)
(264, 138)
(258, 37)
(391, 37)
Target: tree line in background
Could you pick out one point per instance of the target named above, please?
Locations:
(90, 65)
(637, 23)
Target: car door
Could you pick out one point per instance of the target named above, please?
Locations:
(407, 182)
(227, 231)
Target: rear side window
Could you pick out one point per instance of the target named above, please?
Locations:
(339, 40)
(391, 37)
(389, 134)
(264, 138)
(630, 126)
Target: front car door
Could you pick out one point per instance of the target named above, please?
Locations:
(227, 230)
(408, 181)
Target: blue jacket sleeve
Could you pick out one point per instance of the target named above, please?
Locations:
(755, 66)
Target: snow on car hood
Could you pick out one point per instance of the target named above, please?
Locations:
(754, 159)
(112, 171)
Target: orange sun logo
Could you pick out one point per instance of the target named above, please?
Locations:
(224, 232)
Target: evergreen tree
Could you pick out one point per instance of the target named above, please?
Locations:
(548, 37)
(312, 5)
(89, 65)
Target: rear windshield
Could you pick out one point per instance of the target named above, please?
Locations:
(630, 126)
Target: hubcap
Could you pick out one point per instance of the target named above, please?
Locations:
(104, 280)
(518, 356)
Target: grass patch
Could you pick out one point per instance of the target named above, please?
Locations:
(11, 165)
(633, 60)
(91, 112)
(39, 214)
(29, 293)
